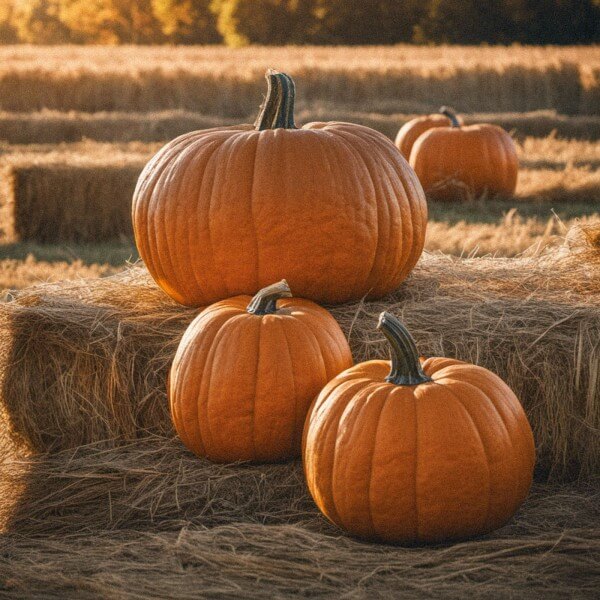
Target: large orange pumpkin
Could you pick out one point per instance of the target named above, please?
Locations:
(430, 450)
(413, 129)
(459, 163)
(333, 207)
(246, 372)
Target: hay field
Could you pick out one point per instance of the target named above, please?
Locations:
(98, 499)
(228, 82)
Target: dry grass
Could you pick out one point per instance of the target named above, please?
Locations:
(512, 236)
(228, 82)
(86, 361)
(16, 273)
(25, 264)
(82, 192)
(51, 127)
(149, 520)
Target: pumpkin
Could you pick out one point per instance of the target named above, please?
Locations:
(411, 130)
(459, 162)
(417, 450)
(246, 371)
(333, 207)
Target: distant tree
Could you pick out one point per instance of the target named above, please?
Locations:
(187, 21)
(110, 21)
(38, 22)
(464, 22)
(374, 22)
(271, 22)
(555, 21)
(8, 34)
(506, 21)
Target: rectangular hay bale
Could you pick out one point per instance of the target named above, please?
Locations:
(55, 203)
(86, 361)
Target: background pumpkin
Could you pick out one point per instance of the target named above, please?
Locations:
(246, 372)
(429, 452)
(463, 162)
(413, 129)
(333, 207)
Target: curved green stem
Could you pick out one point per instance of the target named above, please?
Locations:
(277, 111)
(265, 302)
(406, 367)
(451, 114)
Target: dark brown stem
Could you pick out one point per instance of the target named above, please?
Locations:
(277, 111)
(406, 367)
(265, 302)
(451, 114)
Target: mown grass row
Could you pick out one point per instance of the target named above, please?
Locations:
(228, 82)
(51, 127)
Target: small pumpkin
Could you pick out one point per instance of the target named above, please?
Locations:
(246, 371)
(411, 130)
(333, 207)
(459, 162)
(417, 450)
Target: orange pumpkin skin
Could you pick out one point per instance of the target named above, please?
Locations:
(413, 129)
(444, 459)
(241, 383)
(333, 207)
(464, 162)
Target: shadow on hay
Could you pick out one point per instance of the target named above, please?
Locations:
(153, 484)
(149, 520)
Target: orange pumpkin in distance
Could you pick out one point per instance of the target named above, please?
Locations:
(462, 163)
(246, 371)
(417, 450)
(333, 207)
(411, 130)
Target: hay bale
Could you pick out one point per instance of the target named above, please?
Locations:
(86, 361)
(92, 357)
(149, 520)
(51, 203)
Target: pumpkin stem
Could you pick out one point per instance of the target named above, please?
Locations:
(277, 111)
(265, 302)
(451, 114)
(406, 367)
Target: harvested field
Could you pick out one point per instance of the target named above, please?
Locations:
(86, 361)
(52, 127)
(229, 82)
(152, 521)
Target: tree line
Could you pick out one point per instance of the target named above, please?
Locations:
(243, 22)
